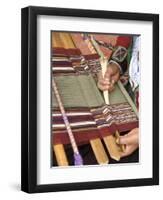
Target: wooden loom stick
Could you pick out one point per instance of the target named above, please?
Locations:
(67, 40)
(104, 68)
(128, 98)
(112, 147)
(77, 157)
(122, 146)
(103, 62)
(56, 40)
(60, 155)
(97, 48)
(99, 151)
(90, 46)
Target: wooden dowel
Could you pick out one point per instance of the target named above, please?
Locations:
(127, 96)
(60, 155)
(104, 64)
(99, 151)
(67, 40)
(56, 40)
(96, 46)
(122, 146)
(112, 147)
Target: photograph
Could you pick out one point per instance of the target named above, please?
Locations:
(95, 81)
(90, 99)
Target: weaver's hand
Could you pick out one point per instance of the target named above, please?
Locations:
(111, 76)
(131, 141)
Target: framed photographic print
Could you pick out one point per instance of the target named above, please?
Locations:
(90, 99)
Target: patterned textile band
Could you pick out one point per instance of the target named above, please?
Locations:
(62, 58)
(93, 123)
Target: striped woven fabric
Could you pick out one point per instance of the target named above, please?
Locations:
(84, 126)
(78, 91)
(120, 114)
(83, 42)
(72, 61)
(93, 123)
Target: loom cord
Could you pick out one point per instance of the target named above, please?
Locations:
(77, 157)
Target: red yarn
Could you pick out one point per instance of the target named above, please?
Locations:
(124, 41)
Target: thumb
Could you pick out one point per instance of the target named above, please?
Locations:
(108, 74)
(123, 140)
(127, 139)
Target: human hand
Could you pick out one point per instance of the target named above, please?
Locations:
(131, 142)
(111, 76)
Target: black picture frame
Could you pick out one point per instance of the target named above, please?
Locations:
(29, 98)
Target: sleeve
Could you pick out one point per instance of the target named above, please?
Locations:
(119, 56)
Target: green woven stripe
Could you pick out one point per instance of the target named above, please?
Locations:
(77, 91)
(90, 91)
(116, 96)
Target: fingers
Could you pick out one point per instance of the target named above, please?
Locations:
(106, 87)
(108, 75)
(131, 142)
(111, 88)
(126, 139)
(131, 138)
(105, 81)
(110, 78)
(106, 84)
(112, 69)
(129, 150)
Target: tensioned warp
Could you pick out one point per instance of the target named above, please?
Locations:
(87, 112)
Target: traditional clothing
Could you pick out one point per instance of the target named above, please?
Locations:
(134, 67)
(134, 71)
